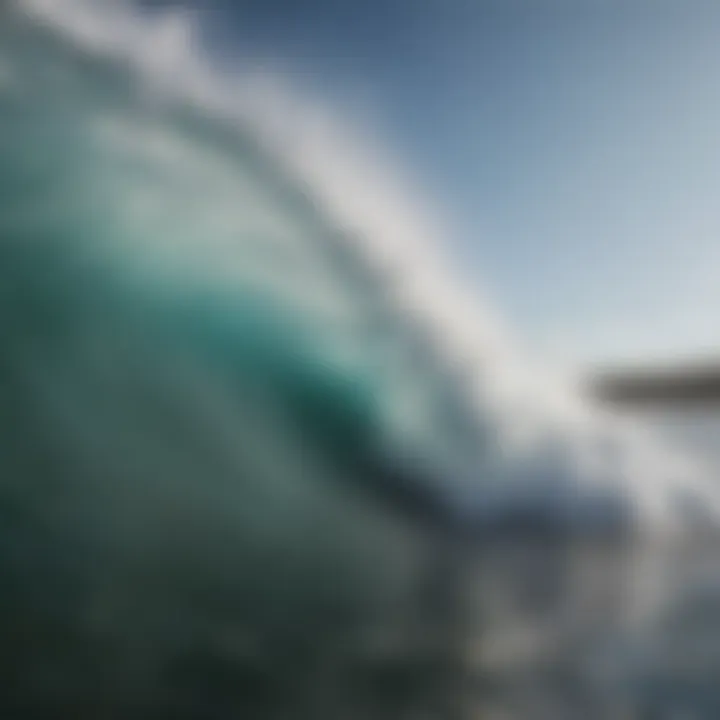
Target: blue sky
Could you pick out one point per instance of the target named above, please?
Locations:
(574, 146)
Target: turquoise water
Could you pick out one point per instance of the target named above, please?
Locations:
(202, 502)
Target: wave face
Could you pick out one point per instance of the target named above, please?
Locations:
(242, 472)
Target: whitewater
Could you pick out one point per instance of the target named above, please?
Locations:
(263, 454)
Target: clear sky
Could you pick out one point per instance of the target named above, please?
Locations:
(574, 146)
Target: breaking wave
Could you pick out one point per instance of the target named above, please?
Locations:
(247, 406)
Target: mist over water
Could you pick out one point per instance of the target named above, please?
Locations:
(261, 455)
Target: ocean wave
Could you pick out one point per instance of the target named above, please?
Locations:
(244, 393)
(247, 182)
